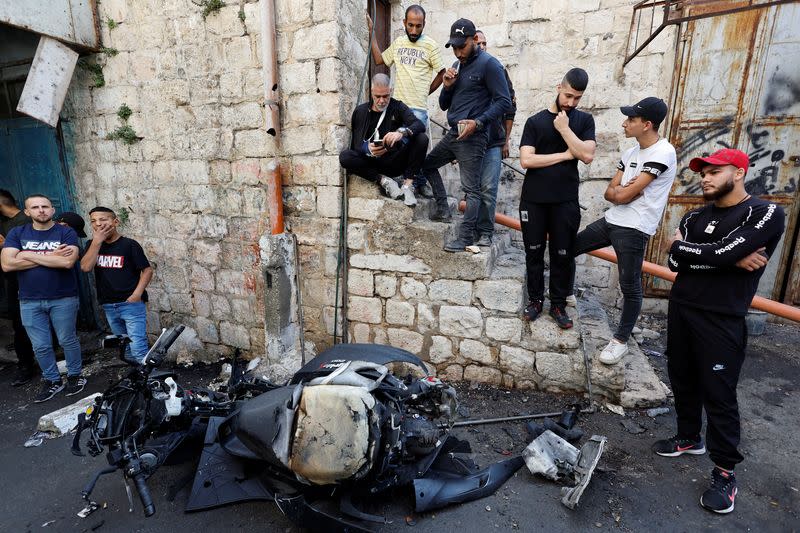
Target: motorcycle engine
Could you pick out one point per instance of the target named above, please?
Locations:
(421, 435)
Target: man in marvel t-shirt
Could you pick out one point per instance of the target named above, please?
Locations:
(121, 272)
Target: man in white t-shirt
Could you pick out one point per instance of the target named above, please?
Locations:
(639, 192)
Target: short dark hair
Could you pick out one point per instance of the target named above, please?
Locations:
(6, 198)
(415, 7)
(101, 209)
(577, 78)
(25, 202)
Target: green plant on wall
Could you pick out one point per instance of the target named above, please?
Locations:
(210, 6)
(124, 132)
(96, 72)
(110, 52)
(123, 215)
(111, 23)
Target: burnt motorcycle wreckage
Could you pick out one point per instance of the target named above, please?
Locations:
(355, 421)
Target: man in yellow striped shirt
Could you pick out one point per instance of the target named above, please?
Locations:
(418, 72)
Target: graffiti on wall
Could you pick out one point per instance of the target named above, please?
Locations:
(763, 177)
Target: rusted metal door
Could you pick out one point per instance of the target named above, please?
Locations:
(382, 18)
(738, 85)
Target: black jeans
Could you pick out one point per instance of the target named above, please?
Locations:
(629, 244)
(469, 153)
(557, 223)
(406, 160)
(22, 344)
(705, 352)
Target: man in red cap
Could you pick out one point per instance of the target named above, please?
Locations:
(719, 252)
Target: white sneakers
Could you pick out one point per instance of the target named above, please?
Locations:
(408, 192)
(391, 188)
(613, 352)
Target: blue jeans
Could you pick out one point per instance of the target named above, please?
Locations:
(490, 179)
(629, 245)
(37, 316)
(422, 115)
(129, 318)
(469, 153)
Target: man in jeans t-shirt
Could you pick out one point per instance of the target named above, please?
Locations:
(639, 191)
(121, 272)
(42, 255)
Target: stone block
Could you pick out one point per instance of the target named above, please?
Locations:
(231, 282)
(502, 295)
(426, 320)
(400, 313)
(482, 374)
(556, 369)
(385, 285)
(301, 140)
(61, 421)
(202, 278)
(412, 289)
(297, 78)
(234, 335)
(357, 237)
(361, 333)
(244, 116)
(504, 329)
(202, 303)
(360, 282)
(380, 336)
(328, 75)
(364, 209)
(441, 350)
(545, 335)
(476, 352)
(316, 170)
(313, 108)
(452, 373)
(405, 339)
(390, 262)
(452, 291)
(316, 42)
(460, 321)
(206, 330)
(329, 201)
(518, 362)
(360, 309)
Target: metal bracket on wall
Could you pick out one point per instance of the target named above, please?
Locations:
(645, 14)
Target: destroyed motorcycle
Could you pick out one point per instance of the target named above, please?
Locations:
(353, 422)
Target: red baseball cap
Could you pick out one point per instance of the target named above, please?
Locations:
(726, 156)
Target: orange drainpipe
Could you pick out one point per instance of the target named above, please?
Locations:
(762, 304)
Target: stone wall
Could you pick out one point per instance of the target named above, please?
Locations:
(538, 42)
(193, 188)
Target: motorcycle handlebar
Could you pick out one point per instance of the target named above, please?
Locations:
(144, 494)
(162, 344)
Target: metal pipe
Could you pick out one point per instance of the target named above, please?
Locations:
(762, 304)
(275, 198)
(269, 64)
(481, 421)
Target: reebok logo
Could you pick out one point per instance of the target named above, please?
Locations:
(767, 216)
(689, 249)
(729, 247)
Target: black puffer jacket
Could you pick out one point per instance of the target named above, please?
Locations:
(398, 115)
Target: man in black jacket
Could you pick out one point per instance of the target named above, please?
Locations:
(387, 140)
(719, 252)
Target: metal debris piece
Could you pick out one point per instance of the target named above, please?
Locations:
(654, 412)
(632, 427)
(587, 462)
(89, 509)
(36, 439)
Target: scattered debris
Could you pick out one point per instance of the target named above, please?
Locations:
(554, 458)
(89, 509)
(474, 249)
(650, 334)
(652, 353)
(36, 439)
(616, 409)
(656, 411)
(49, 522)
(632, 427)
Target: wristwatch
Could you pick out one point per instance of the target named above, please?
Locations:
(478, 125)
(405, 132)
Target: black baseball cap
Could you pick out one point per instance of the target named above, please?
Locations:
(651, 108)
(460, 31)
(74, 221)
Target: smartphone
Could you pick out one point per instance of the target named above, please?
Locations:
(461, 128)
(379, 142)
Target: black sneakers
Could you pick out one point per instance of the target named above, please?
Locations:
(75, 384)
(675, 446)
(720, 495)
(559, 314)
(442, 214)
(533, 310)
(49, 389)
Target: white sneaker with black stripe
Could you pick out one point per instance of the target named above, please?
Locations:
(391, 187)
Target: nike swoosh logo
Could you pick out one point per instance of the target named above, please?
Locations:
(733, 495)
(684, 448)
